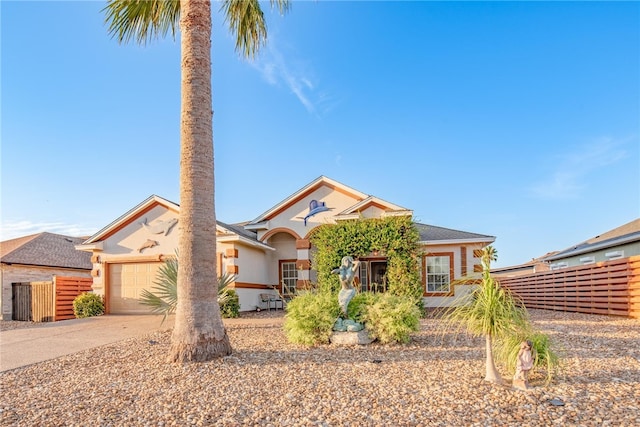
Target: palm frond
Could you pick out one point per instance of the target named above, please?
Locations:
(225, 280)
(142, 20)
(163, 297)
(246, 21)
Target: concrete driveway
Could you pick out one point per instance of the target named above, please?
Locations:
(22, 347)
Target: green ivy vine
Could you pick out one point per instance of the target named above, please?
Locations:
(395, 237)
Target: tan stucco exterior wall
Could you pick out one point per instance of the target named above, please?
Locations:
(130, 239)
(126, 245)
(293, 217)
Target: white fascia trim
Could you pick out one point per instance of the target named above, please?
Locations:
(259, 226)
(343, 217)
(98, 246)
(392, 206)
(405, 212)
(455, 242)
(236, 238)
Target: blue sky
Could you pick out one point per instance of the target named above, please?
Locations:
(519, 120)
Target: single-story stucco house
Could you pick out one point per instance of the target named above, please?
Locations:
(271, 252)
(39, 257)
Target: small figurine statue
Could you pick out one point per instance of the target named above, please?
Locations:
(523, 365)
(347, 272)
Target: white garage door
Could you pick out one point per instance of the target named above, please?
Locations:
(126, 282)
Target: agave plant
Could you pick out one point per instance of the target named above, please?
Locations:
(164, 298)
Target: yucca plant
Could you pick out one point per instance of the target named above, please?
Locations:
(491, 311)
(164, 298)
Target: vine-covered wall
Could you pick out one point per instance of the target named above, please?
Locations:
(396, 238)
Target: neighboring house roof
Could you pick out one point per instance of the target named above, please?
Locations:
(435, 234)
(627, 233)
(533, 266)
(45, 249)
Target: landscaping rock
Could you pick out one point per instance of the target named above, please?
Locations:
(435, 380)
(351, 338)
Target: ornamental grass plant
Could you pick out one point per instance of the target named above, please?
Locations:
(391, 318)
(310, 317)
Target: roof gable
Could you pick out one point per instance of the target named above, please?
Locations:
(132, 215)
(45, 249)
(223, 230)
(374, 202)
(304, 192)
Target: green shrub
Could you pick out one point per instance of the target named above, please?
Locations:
(310, 317)
(392, 318)
(88, 304)
(358, 305)
(229, 303)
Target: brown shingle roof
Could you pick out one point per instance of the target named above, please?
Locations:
(627, 233)
(431, 233)
(623, 230)
(45, 249)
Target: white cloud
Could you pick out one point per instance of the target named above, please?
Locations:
(571, 175)
(14, 229)
(295, 75)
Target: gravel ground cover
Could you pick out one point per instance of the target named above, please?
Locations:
(436, 380)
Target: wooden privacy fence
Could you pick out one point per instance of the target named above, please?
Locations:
(48, 301)
(611, 287)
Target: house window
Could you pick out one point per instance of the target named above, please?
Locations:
(588, 259)
(614, 255)
(372, 276)
(378, 276)
(288, 277)
(439, 273)
(559, 265)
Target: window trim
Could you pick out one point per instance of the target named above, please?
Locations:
(425, 290)
(281, 262)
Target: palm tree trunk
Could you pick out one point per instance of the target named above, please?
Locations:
(199, 333)
(492, 373)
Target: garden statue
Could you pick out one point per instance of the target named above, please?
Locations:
(347, 272)
(348, 331)
(523, 365)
